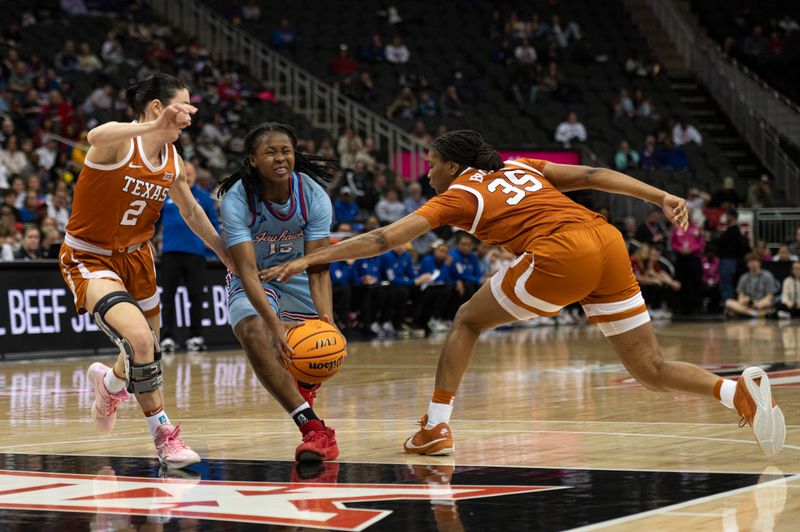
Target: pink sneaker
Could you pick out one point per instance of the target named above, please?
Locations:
(104, 408)
(172, 450)
(309, 394)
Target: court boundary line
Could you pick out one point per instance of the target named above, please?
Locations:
(440, 462)
(669, 508)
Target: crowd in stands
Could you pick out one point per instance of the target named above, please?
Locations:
(406, 291)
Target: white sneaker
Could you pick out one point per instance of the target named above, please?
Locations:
(196, 343)
(438, 326)
(783, 315)
(388, 329)
(753, 401)
(376, 329)
(565, 318)
(168, 345)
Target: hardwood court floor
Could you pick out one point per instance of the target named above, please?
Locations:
(533, 398)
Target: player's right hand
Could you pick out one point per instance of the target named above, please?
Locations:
(279, 344)
(175, 116)
(676, 211)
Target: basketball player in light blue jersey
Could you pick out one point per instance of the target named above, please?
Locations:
(274, 209)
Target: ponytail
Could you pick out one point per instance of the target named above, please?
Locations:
(466, 147)
(156, 87)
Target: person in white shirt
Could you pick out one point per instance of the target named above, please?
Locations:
(47, 153)
(789, 307)
(683, 133)
(525, 53)
(397, 51)
(570, 130)
(390, 209)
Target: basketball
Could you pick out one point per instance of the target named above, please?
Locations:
(319, 351)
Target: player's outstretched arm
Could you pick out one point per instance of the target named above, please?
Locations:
(197, 219)
(369, 244)
(566, 177)
(177, 115)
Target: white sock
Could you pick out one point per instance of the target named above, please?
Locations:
(299, 409)
(156, 420)
(113, 383)
(438, 413)
(726, 392)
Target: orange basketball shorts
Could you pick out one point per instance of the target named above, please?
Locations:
(580, 262)
(136, 271)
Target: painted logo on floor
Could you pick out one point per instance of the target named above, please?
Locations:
(316, 505)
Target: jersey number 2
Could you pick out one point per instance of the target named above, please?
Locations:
(132, 215)
(518, 178)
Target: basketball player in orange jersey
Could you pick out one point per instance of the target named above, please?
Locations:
(565, 253)
(107, 260)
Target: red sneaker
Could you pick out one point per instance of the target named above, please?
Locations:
(317, 445)
(309, 394)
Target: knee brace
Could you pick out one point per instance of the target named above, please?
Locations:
(140, 377)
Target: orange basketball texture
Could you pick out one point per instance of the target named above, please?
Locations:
(319, 351)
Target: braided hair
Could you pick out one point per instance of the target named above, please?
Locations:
(320, 169)
(466, 147)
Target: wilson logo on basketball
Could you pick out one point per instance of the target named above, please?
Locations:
(329, 365)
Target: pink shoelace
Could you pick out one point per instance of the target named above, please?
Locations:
(110, 406)
(172, 441)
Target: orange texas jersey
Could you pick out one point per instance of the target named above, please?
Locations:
(510, 207)
(117, 205)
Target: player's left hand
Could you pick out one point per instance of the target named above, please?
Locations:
(329, 321)
(284, 272)
(676, 211)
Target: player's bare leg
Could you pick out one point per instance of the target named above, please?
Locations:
(319, 441)
(482, 312)
(751, 395)
(132, 328)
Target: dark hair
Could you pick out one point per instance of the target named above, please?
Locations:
(156, 87)
(320, 169)
(467, 148)
(752, 256)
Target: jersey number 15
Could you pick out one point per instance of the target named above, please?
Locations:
(517, 186)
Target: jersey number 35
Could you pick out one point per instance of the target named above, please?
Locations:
(517, 185)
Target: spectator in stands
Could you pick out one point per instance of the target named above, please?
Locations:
(465, 271)
(525, 53)
(649, 159)
(652, 229)
(58, 209)
(570, 130)
(684, 133)
(688, 246)
(251, 11)
(759, 194)
(658, 286)
(374, 51)
(784, 255)
(397, 52)
(88, 62)
(435, 287)
(111, 50)
(626, 158)
(343, 279)
(696, 200)
(525, 84)
(30, 208)
(12, 157)
(67, 58)
(761, 250)
(794, 246)
(213, 154)
(404, 106)
(623, 105)
(345, 209)
(755, 291)
(371, 295)
(563, 34)
(427, 106)
(29, 248)
(788, 24)
(673, 157)
(727, 195)
(451, 104)
(415, 199)
(789, 305)
(47, 153)
(421, 133)
(343, 63)
(285, 38)
(390, 209)
(755, 45)
(643, 105)
(365, 91)
(397, 269)
(503, 53)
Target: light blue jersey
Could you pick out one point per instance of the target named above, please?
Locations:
(278, 233)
